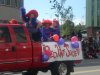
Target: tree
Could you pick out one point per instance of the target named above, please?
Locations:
(67, 27)
(62, 12)
(65, 14)
(80, 27)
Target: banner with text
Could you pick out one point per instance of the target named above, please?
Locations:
(56, 52)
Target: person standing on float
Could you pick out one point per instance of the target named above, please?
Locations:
(31, 23)
(56, 27)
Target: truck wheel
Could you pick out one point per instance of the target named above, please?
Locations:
(59, 69)
(32, 72)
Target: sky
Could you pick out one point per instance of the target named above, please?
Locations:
(43, 8)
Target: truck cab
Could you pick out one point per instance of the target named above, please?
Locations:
(17, 49)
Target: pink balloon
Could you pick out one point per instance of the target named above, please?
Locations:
(74, 39)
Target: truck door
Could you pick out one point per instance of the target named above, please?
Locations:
(23, 47)
(7, 56)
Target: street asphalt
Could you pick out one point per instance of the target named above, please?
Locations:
(86, 67)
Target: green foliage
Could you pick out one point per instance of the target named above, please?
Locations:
(80, 27)
(61, 11)
(67, 27)
(66, 15)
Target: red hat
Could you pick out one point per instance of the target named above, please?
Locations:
(56, 21)
(13, 21)
(47, 22)
(32, 12)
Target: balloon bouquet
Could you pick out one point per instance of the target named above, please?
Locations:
(74, 42)
(57, 39)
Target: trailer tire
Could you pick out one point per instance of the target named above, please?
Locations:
(59, 68)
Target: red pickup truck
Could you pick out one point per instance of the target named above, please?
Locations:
(19, 53)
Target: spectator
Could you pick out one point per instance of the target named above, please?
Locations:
(97, 40)
(85, 47)
(91, 48)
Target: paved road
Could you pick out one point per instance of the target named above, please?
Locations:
(90, 70)
(87, 67)
(94, 70)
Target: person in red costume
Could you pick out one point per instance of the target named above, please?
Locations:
(46, 30)
(31, 23)
(56, 27)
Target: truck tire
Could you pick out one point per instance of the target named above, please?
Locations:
(59, 68)
(31, 72)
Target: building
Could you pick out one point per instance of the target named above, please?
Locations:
(10, 9)
(93, 15)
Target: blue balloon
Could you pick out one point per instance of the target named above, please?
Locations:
(45, 57)
(61, 41)
(75, 44)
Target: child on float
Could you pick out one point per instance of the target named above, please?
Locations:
(31, 23)
(46, 30)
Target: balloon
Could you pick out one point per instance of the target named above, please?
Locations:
(45, 57)
(61, 41)
(75, 44)
(56, 38)
(13, 21)
(74, 39)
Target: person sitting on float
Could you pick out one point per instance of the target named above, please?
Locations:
(31, 23)
(46, 30)
(56, 27)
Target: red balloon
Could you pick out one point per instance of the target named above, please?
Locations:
(13, 21)
(56, 38)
